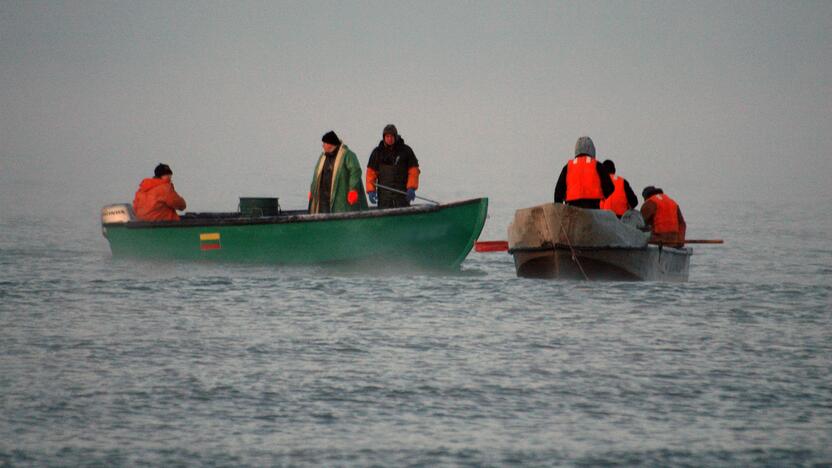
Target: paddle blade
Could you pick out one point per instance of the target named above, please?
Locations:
(491, 246)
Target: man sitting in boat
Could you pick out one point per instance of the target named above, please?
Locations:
(583, 182)
(664, 216)
(156, 199)
(392, 164)
(336, 183)
(623, 198)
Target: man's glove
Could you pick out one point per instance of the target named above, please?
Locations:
(352, 197)
(411, 194)
(373, 197)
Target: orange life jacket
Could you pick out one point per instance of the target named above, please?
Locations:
(617, 202)
(582, 181)
(666, 219)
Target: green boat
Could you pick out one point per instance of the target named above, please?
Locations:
(423, 236)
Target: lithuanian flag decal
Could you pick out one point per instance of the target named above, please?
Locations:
(209, 241)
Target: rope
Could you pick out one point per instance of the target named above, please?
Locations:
(574, 255)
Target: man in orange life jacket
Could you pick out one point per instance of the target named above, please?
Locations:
(393, 164)
(664, 216)
(156, 199)
(623, 198)
(583, 182)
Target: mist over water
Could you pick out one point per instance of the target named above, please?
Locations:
(124, 362)
(724, 105)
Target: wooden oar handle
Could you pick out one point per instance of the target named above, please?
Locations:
(690, 241)
(491, 246)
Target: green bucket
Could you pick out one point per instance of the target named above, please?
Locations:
(259, 206)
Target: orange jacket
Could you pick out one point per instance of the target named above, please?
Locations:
(664, 215)
(156, 200)
(582, 181)
(617, 202)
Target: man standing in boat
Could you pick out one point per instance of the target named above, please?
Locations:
(623, 198)
(664, 217)
(583, 182)
(336, 183)
(392, 164)
(156, 199)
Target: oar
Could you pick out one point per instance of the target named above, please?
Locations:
(502, 246)
(694, 241)
(491, 246)
(405, 193)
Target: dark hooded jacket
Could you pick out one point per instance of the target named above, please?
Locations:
(396, 167)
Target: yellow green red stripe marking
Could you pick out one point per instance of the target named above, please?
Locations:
(209, 241)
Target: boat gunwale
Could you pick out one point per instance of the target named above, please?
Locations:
(296, 218)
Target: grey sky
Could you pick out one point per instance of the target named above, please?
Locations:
(709, 100)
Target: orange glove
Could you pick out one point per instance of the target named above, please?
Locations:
(310, 196)
(352, 197)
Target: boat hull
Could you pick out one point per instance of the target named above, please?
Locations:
(563, 242)
(435, 237)
(651, 263)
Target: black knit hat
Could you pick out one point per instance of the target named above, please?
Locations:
(649, 191)
(390, 128)
(331, 138)
(162, 169)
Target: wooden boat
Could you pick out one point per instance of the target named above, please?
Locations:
(564, 242)
(424, 236)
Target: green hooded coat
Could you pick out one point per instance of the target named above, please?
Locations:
(346, 176)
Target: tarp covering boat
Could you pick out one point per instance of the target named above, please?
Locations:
(559, 224)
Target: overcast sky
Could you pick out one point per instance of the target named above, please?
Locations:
(709, 100)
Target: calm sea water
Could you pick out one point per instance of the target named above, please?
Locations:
(109, 362)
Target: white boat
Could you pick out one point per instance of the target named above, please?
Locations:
(564, 242)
